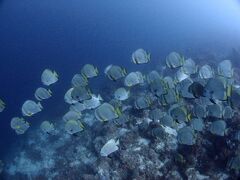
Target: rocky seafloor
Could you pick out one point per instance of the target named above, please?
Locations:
(147, 150)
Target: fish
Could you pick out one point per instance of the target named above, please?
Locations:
(49, 77)
(89, 71)
(42, 93)
(72, 115)
(73, 126)
(30, 108)
(197, 89)
(106, 112)
(121, 94)
(47, 127)
(114, 72)
(133, 79)
(79, 81)
(19, 125)
(140, 56)
(110, 147)
(174, 60)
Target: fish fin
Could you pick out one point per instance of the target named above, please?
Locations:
(90, 92)
(50, 92)
(128, 92)
(100, 97)
(117, 142)
(163, 101)
(84, 76)
(40, 105)
(182, 59)
(107, 68)
(29, 114)
(189, 116)
(177, 96)
(1, 101)
(118, 111)
(124, 71)
(229, 91)
(39, 99)
(55, 74)
(144, 78)
(149, 56)
(96, 70)
(134, 61)
(81, 125)
(149, 101)
(111, 78)
(212, 100)
(28, 123)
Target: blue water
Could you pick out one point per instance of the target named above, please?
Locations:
(64, 35)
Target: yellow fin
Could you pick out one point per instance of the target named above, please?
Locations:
(149, 101)
(118, 111)
(229, 91)
(81, 125)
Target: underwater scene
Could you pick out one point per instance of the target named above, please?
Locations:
(119, 90)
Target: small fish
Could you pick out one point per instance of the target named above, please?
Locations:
(72, 115)
(19, 125)
(30, 108)
(140, 56)
(142, 102)
(121, 94)
(89, 71)
(110, 147)
(225, 69)
(73, 126)
(106, 112)
(197, 89)
(174, 60)
(42, 93)
(47, 127)
(94, 102)
(114, 72)
(206, 72)
(79, 81)
(49, 77)
(133, 79)
(81, 93)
